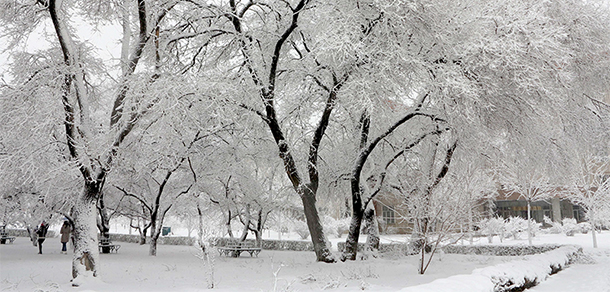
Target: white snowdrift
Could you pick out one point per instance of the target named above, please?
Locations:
(505, 276)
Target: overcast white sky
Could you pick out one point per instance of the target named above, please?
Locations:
(105, 40)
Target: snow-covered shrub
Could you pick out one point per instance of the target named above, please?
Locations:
(500, 250)
(335, 227)
(585, 227)
(490, 227)
(300, 228)
(535, 227)
(515, 226)
(342, 226)
(556, 227)
(510, 276)
(570, 226)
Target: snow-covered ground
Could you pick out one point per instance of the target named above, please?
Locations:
(177, 268)
(582, 277)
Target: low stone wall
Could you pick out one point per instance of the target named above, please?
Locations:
(268, 244)
(396, 248)
(500, 250)
(125, 238)
(24, 233)
(495, 250)
(164, 240)
(218, 241)
(287, 245)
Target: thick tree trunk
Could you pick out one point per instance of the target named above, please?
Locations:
(86, 253)
(152, 251)
(372, 228)
(155, 232)
(33, 235)
(258, 231)
(320, 244)
(154, 236)
(205, 251)
(351, 243)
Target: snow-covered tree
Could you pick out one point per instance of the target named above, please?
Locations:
(91, 123)
(530, 183)
(591, 191)
(492, 87)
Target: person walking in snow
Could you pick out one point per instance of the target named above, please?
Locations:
(65, 236)
(42, 233)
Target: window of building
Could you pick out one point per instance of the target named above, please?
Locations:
(387, 214)
(578, 213)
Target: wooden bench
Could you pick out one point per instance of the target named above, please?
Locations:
(106, 246)
(235, 250)
(4, 237)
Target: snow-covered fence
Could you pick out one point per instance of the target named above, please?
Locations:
(500, 250)
(505, 277)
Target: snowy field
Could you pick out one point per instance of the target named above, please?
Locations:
(178, 268)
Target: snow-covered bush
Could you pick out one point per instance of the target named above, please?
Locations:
(515, 226)
(556, 227)
(300, 228)
(570, 226)
(336, 227)
(535, 227)
(585, 227)
(500, 250)
(490, 227)
(510, 276)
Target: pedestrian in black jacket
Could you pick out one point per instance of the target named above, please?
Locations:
(42, 233)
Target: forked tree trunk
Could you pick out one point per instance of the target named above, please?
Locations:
(86, 253)
(320, 244)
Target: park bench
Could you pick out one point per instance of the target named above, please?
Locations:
(4, 237)
(106, 246)
(236, 249)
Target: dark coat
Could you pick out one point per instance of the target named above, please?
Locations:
(42, 230)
